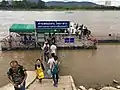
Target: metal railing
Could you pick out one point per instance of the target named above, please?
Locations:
(60, 41)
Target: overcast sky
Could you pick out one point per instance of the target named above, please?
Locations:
(113, 2)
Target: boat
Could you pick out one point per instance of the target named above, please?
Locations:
(69, 12)
(32, 36)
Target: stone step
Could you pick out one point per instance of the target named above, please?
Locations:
(65, 83)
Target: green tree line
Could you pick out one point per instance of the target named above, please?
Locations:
(25, 4)
(22, 5)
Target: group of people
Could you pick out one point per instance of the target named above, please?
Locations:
(27, 40)
(79, 30)
(51, 60)
(50, 57)
(18, 40)
(48, 49)
(51, 38)
(82, 31)
(17, 73)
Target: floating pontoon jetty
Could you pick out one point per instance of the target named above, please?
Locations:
(32, 36)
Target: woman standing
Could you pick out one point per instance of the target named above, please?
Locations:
(55, 71)
(39, 67)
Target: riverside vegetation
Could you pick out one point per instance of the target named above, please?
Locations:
(40, 5)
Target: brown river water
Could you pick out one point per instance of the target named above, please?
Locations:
(88, 67)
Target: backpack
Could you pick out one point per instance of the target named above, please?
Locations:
(55, 68)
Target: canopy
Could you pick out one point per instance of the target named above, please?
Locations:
(23, 28)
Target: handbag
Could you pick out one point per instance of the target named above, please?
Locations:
(49, 72)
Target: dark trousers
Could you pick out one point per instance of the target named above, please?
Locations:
(55, 78)
(22, 88)
(46, 57)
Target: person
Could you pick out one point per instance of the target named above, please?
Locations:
(49, 63)
(30, 40)
(82, 30)
(53, 66)
(81, 27)
(10, 41)
(85, 31)
(53, 48)
(58, 61)
(30, 37)
(46, 51)
(88, 33)
(49, 35)
(17, 75)
(25, 39)
(77, 32)
(51, 60)
(53, 39)
(49, 39)
(76, 26)
(55, 70)
(39, 67)
(93, 39)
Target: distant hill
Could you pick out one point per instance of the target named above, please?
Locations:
(33, 1)
(73, 3)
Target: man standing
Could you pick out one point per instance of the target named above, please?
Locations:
(46, 51)
(53, 38)
(17, 75)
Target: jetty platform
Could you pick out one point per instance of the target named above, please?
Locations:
(64, 41)
(65, 83)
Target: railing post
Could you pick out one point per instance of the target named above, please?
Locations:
(36, 39)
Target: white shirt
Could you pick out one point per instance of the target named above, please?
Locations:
(45, 46)
(50, 62)
(53, 49)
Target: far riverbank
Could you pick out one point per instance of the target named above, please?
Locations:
(58, 10)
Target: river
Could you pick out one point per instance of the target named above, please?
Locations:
(88, 67)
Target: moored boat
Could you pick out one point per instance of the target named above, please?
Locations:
(32, 36)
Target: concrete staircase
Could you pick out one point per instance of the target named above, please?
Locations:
(65, 83)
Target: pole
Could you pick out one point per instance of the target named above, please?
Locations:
(36, 39)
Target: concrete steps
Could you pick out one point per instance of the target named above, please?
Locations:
(65, 83)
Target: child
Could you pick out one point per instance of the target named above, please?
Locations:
(39, 70)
